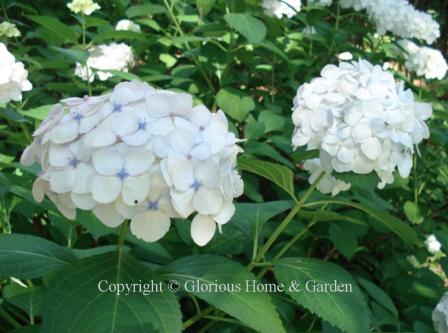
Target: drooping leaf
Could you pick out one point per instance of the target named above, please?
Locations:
(234, 103)
(56, 27)
(27, 299)
(378, 295)
(78, 291)
(412, 212)
(26, 256)
(276, 173)
(253, 29)
(252, 308)
(343, 239)
(345, 309)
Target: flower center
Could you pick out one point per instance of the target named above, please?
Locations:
(201, 128)
(153, 205)
(78, 116)
(196, 185)
(141, 124)
(117, 107)
(122, 174)
(74, 162)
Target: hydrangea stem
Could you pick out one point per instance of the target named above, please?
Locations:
(264, 249)
(122, 235)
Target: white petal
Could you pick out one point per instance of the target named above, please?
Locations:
(136, 139)
(208, 173)
(123, 123)
(215, 134)
(59, 155)
(207, 201)
(108, 215)
(106, 189)
(182, 176)
(40, 187)
(158, 105)
(63, 181)
(202, 229)
(84, 173)
(182, 140)
(345, 155)
(201, 151)
(126, 211)
(161, 146)
(83, 201)
(135, 189)
(138, 161)
(181, 104)
(161, 126)
(225, 214)
(101, 136)
(200, 116)
(87, 123)
(183, 202)
(371, 148)
(108, 161)
(150, 226)
(65, 132)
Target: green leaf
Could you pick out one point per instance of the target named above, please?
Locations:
(75, 304)
(123, 75)
(205, 6)
(344, 309)
(26, 257)
(344, 240)
(276, 173)
(378, 295)
(76, 55)
(119, 35)
(252, 308)
(39, 113)
(56, 27)
(412, 212)
(27, 299)
(144, 10)
(234, 103)
(272, 121)
(253, 29)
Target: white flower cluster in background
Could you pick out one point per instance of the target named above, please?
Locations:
(360, 120)
(322, 3)
(128, 25)
(141, 154)
(104, 57)
(85, 7)
(280, 8)
(440, 315)
(13, 77)
(399, 17)
(424, 61)
(8, 30)
(432, 244)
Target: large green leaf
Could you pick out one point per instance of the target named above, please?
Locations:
(74, 303)
(378, 295)
(346, 310)
(234, 103)
(56, 27)
(26, 257)
(27, 299)
(253, 29)
(276, 173)
(252, 308)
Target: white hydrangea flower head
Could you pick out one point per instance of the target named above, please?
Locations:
(399, 17)
(345, 56)
(432, 244)
(114, 56)
(85, 7)
(8, 30)
(280, 8)
(440, 315)
(141, 154)
(360, 120)
(128, 25)
(328, 183)
(13, 77)
(322, 3)
(424, 61)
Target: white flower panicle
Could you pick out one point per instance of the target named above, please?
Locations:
(399, 17)
(360, 120)
(85, 7)
(280, 8)
(128, 25)
(104, 57)
(440, 315)
(432, 244)
(424, 61)
(141, 154)
(322, 3)
(13, 77)
(8, 30)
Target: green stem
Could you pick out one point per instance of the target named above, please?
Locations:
(9, 319)
(285, 222)
(181, 33)
(122, 235)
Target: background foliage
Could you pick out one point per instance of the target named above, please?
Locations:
(229, 55)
